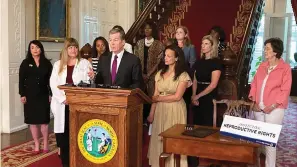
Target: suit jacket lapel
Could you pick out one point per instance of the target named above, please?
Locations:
(109, 68)
(121, 67)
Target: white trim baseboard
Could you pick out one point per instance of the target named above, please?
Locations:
(18, 128)
(21, 127)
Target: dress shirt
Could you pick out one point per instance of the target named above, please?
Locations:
(120, 55)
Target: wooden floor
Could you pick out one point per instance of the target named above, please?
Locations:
(22, 136)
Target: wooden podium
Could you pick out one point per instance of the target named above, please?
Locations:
(95, 111)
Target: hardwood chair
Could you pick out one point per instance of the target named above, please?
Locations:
(238, 108)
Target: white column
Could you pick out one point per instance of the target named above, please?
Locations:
(12, 53)
(126, 13)
(74, 19)
(4, 51)
(80, 22)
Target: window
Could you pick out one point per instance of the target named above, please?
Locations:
(272, 28)
(90, 29)
(258, 50)
(292, 41)
(292, 35)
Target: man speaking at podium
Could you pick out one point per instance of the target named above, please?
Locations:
(119, 68)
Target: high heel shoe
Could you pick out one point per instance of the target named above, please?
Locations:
(36, 152)
(45, 151)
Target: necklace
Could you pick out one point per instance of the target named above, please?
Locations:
(270, 68)
(147, 42)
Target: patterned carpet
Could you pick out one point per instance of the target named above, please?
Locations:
(287, 146)
(22, 155)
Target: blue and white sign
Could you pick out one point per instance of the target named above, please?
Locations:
(251, 130)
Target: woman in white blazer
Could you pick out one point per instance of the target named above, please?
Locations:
(72, 69)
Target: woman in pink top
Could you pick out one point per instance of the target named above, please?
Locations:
(270, 90)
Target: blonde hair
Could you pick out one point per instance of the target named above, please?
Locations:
(187, 40)
(64, 53)
(214, 47)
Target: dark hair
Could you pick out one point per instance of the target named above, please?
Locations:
(39, 44)
(118, 30)
(220, 31)
(180, 65)
(153, 26)
(87, 48)
(94, 50)
(277, 46)
(173, 41)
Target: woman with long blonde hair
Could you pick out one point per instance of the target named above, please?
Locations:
(206, 77)
(207, 72)
(213, 52)
(70, 69)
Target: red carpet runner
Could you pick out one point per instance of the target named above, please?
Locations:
(49, 161)
(22, 155)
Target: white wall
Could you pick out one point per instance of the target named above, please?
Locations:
(12, 53)
(99, 16)
(17, 29)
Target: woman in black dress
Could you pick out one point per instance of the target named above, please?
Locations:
(206, 77)
(34, 75)
(207, 72)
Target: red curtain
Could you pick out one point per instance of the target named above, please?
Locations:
(202, 15)
(294, 6)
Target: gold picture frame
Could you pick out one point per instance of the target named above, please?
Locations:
(52, 20)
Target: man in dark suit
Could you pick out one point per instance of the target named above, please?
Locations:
(119, 68)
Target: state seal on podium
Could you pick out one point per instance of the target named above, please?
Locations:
(97, 141)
